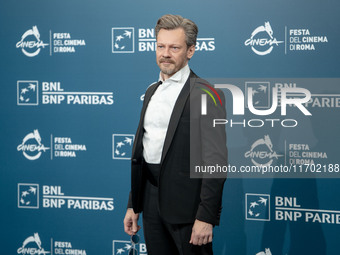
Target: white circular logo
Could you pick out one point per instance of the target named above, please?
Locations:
(32, 245)
(261, 152)
(31, 46)
(261, 40)
(31, 146)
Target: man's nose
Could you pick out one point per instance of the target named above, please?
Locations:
(166, 52)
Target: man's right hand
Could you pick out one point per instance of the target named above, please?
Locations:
(131, 222)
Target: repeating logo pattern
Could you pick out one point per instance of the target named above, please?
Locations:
(257, 207)
(122, 146)
(123, 40)
(28, 196)
(27, 93)
(31, 146)
(262, 40)
(132, 247)
(121, 247)
(32, 245)
(30, 42)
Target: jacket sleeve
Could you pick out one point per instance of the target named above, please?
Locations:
(214, 153)
(129, 205)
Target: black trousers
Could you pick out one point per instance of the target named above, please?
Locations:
(161, 237)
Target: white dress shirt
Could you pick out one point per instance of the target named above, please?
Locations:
(158, 113)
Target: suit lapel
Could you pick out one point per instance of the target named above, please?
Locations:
(176, 114)
(140, 131)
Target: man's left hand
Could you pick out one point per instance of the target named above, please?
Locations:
(202, 233)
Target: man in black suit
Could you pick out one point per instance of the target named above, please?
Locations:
(179, 212)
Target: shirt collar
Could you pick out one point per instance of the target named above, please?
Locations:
(180, 76)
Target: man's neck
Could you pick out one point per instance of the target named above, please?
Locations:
(165, 76)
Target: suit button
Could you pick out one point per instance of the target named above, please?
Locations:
(134, 160)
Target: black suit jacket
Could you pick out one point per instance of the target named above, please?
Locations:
(183, 199)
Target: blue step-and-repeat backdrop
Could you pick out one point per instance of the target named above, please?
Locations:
(73, 76)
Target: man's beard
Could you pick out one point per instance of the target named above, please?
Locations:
(167, 70)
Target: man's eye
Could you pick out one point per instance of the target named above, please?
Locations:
(160, 46)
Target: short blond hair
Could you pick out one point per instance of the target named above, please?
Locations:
(170, 22)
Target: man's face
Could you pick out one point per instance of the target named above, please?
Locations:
(172, 52)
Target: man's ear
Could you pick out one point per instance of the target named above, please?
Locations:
(190, 51)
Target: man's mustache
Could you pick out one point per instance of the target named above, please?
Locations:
(166, 60)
